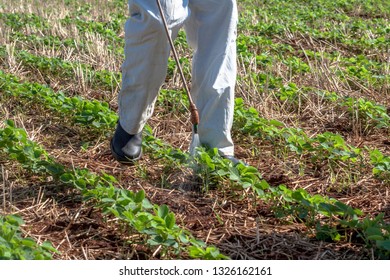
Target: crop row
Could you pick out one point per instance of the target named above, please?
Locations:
(326, 146)
(57, 67)
(297, 203)
(319, 10)
(109, 30)
(316, 20)
(85, 112)
(348, 30)
(15, 247)
(368, 112)
(262, 53)
(131, 207)
(156, 222)
(79, 9)
(329, 218)
(112, 28)
(53, 42)
(20, 26)
(92, 113)
(359, 67)
(319, 21)
(102, 79)
(259, 54)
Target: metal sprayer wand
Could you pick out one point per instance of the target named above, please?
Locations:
(193, 109)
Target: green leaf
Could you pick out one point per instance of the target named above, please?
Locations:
(170, 220)
(155, 241)
(67, 177)
(183, 238)
(108, 200)
(28, 242)
(163, 211)
(373, 231)
(375, 237)
(140, 196)
(15, 220)
(10, 123)
(384, 244)
(196, 252)
(234, 174)
(146, 204)
(49, 247)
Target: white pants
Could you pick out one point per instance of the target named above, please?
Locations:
(210, 27)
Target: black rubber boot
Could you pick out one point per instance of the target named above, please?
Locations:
(126, 148)
(234, 160)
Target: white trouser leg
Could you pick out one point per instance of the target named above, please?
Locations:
(211, 32)
(146, 58)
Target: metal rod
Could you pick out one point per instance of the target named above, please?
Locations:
(193, 109)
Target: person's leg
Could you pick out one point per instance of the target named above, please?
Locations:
(144, 70)
(211, 32)
(146, 57)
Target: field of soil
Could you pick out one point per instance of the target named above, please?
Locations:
(311, 120)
